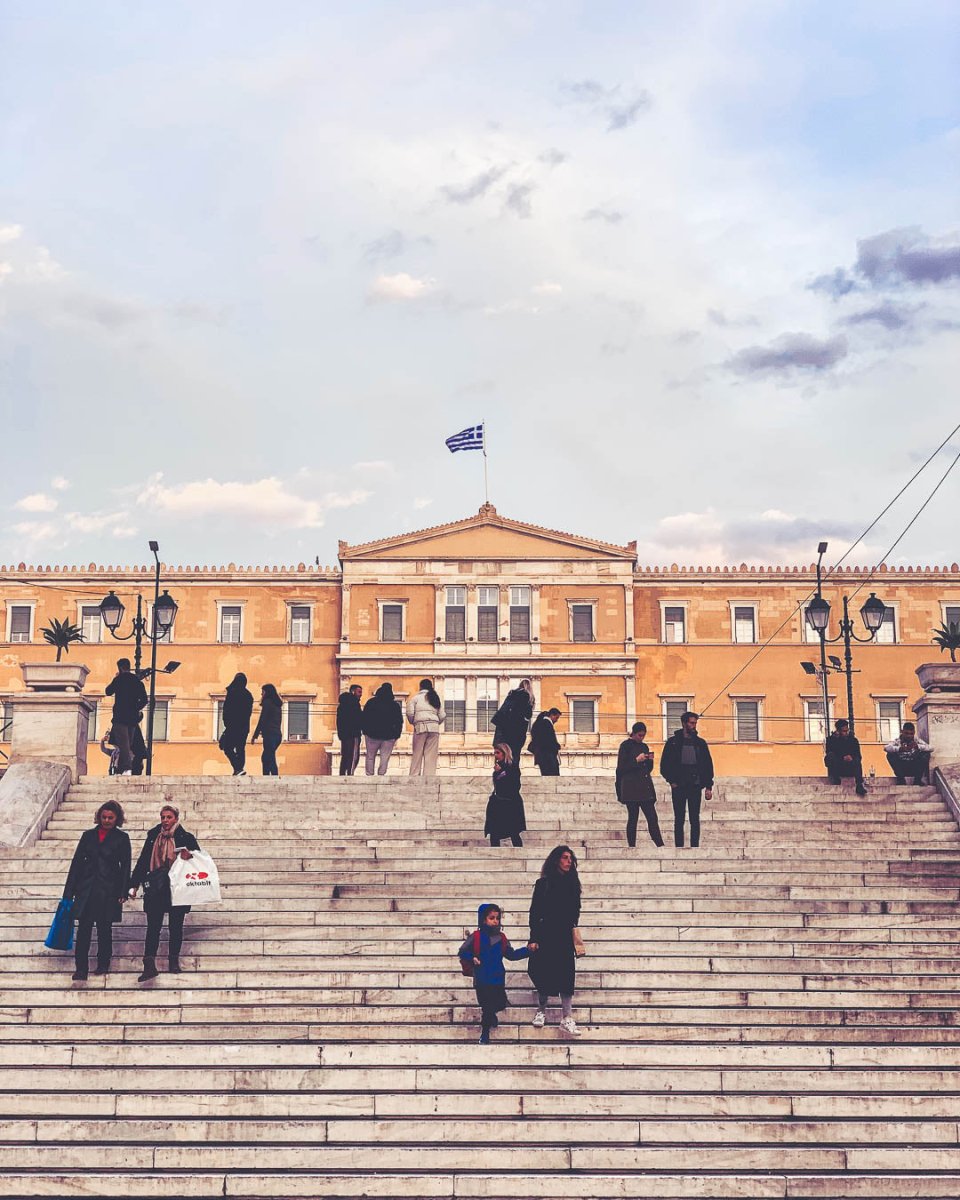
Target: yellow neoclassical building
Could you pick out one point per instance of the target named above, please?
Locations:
(477, 605)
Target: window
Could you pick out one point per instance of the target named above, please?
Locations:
(744, 623)
(889, 719)
(6, 720)
(455, 629)
(581, 621)
(519, 614)
(231, 622)
(747, 720)
(951, 615)
(815, 727)
(20, 618)
(90, 622)
(391, 623)
(810, 635)
(165, 638)
(298, 720)
(300, 623)
(488, 614)
(583, 716)
(92, 722)
(486, 704)
(220, 727)
(455, 705)
(673, 710)
(161, 718)
(887, 633)
(674, 623)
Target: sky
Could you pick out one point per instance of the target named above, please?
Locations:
(696, 266)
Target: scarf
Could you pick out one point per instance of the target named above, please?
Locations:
(164, 851)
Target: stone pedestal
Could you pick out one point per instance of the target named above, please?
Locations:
(51, 727)
(938, 722)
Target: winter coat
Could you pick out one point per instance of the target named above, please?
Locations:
(271, 722)
(505, 813)
(129, 697)
(349, 716)
(513, 716)
(99, 874)
(237, 709)
(633, 782)
(183, 840)
(493, 950)
(670, 761)
(554, 911)
(423, 716)
(544, 743)
(839, 745)
(382, 716)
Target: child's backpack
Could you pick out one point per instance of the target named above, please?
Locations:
(466, 964)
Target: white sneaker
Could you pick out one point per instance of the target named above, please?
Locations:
(539, 1019)
(569, 1026)
(126, 772)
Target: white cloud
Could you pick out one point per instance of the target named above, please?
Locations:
(116, 523)
(37, 502)
(35, 531)
(265, 501)
(59, 484)
(400, 287)
(10, 233)
(547, 288)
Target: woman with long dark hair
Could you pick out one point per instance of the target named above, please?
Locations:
(426, 714)
(270, 727)
(634, 784)
(162, 845)
(97, 884)
(554, 916)
(505, 815)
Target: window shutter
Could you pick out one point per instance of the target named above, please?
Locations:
(298, 720)
(748, 721)
(583, 622)
(393, 623)
(20, 623)
(456, 624)
(487, 625)
(583, 716)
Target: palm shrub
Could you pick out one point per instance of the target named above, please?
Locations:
(62, 634)
(947, 637)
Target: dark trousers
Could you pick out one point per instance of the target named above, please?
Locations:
(686, 795)
(916, 767)
(120, 736)
(649, 809)
(349, 754)
(269, 755)
(837, 769)
(233, 742)
(155, 924)
(81, 951)
(549, 764)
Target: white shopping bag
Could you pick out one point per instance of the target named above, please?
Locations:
(194, 880)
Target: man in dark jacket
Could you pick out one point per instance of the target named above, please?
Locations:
(350, 728)
(544, 744)
(687, 766)
(382, 725)
(843, 759)
(129, 699)
(237, 708)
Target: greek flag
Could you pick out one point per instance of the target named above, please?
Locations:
(470, 438)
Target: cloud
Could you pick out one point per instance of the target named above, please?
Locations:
(620, 110)
(790, 352)
(263, 502)
(117, 524)
(37, 502)
(35, 531)
(474, 188)
(59, 483)
(518, 199)
(399, 287)
(896, 258)
(623, 115)
(611, 216)
(547, 288)
(10, 233)
(392, 244)
(838, 283)
(891, 316)
(422, 502)
(553, 157)
(716, 317)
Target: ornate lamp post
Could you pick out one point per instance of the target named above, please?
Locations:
(164, 613)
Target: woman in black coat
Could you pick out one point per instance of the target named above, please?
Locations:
(237, 707)
(97, 884)
(554, 915)
(634, 784)
(270, 727)
(152, 872)
(512, 719)
(505, 815)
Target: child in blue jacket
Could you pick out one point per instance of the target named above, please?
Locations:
(485, 951)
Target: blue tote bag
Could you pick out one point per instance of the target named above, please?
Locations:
(60, 936)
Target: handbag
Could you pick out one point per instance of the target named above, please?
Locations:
(60, 934)
(579, 948)
(156, 887)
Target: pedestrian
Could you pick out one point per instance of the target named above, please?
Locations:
(129, 698)
(426, 714)
(686, 764)
(97, 884)
(554, 921)
(269, 727)
(382, 725)
(907, 755)
(138, 748)
(482, 955)
(350, 727)
(160, 848)
(843, 758)
(110, 750)
(505, 816)
(634, 784)
(511, 719)
(237, 708)
(544, 743)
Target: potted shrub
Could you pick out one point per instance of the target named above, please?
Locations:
(57, 676)
(942, 676)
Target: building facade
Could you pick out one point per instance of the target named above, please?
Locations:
(477, 605)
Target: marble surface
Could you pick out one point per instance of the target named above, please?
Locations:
(30, 793)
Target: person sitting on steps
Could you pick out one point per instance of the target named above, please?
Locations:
(907, 755)
(843, 758)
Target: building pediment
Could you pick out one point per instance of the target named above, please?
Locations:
(487, 535)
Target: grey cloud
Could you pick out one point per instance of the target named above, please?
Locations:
(391, 245)
(891, 316)
(518, 199)
(553, 157)
(623, 115)
(611, 216)
(790, 352)
(720, 318)
(907, 256)
(838, 283)
(103, 310)
(585, 91)
(619, 109)
(474, 188)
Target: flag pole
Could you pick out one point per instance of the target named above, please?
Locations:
(486, 486)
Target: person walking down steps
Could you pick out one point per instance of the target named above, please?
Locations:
(160, 848)
(634, 785)
(97, 884)
(481, 956)
(554, 920)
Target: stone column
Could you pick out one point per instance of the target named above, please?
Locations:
(938, 711)
(51, 727)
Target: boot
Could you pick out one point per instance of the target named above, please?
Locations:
(149, 970)
(79, 974)
(174, 964)
(102, 968)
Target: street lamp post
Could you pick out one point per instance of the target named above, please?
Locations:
(818, 618)
(164, 612)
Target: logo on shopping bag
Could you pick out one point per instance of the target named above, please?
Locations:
(198, 879)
